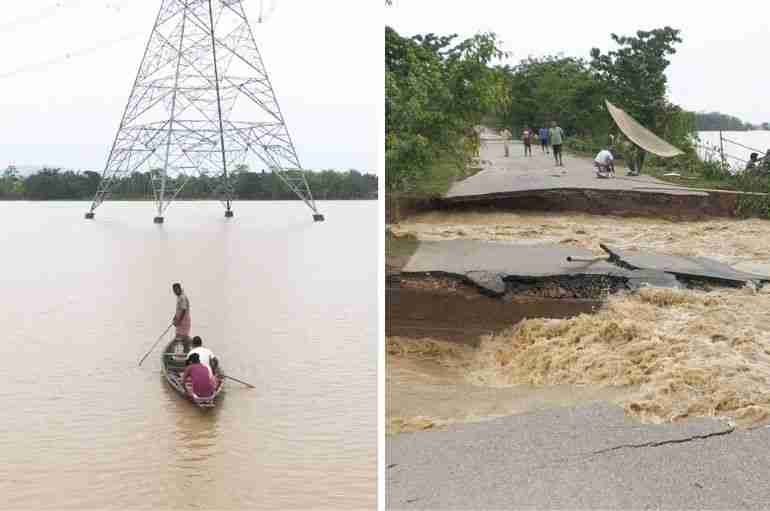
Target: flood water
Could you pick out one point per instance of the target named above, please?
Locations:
(287, 305)
(663, 355)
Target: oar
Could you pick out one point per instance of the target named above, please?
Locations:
(239, 381)
(156, 343)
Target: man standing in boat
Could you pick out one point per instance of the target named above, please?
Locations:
(182, 316)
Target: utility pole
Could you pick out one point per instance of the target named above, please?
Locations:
(202, 103)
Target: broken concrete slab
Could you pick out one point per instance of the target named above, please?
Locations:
(469, 257)
(688, 267)
(651, 278)
(493, 464)
(489, 265)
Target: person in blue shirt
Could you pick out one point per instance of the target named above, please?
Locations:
(543, 135)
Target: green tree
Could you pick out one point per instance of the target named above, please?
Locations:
(435, 92)
(11, 184)
(634, 74)
(563, 89)
(635, 79)
(713, 121)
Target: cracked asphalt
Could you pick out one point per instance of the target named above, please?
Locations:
(587, 457)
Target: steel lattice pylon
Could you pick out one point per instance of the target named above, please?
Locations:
(202, 102)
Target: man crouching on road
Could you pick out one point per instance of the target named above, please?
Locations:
(603, 162)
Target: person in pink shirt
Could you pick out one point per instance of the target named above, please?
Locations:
(202, 383)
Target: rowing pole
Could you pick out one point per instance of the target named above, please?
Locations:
(239, 381)
(156, 343)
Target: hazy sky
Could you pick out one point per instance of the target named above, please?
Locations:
(722, 63)
(323, 57)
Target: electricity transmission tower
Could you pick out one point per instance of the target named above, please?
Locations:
(202, 103)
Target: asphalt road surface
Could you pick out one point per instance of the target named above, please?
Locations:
(588, 457)
(518, 173)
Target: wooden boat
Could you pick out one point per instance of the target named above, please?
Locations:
(173, 363)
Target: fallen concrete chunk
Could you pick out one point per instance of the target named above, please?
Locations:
(489, 265)
(688, 267)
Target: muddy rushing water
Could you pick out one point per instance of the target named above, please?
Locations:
(661, 354)
(286, 304)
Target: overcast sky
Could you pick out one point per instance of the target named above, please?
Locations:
(722, 63)
(323, 57)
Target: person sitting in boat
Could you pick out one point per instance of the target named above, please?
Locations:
(603, 162)
(203, 384)
(205, 355)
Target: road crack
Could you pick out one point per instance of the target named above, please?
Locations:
(663, 442)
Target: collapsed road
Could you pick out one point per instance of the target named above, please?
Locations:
(497, 268)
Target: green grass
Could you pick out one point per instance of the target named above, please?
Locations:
(439, 177)
(692, 179)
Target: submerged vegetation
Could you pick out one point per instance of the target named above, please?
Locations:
(55, 184)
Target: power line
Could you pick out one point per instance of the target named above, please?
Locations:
(53, 10)
(265, 13)
(43, 65)
(267, 9)
(37, 17)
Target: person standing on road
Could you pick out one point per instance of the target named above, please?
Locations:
(526, 137)
(635, 159)
(555, 136)
(506, 141)
(543, 133)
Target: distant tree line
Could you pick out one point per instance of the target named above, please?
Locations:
(57, 184)
(713, 121)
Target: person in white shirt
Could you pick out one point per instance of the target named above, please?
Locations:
(603, 162)
(205, 355)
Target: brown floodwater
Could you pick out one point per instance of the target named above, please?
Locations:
(662, 354)
(287, 305)
(464, 314)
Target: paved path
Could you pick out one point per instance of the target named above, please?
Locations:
(519, 173)
(588, 457)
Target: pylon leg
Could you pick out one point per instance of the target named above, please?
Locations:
(90, 215)
(158, 220)
(318, 217)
